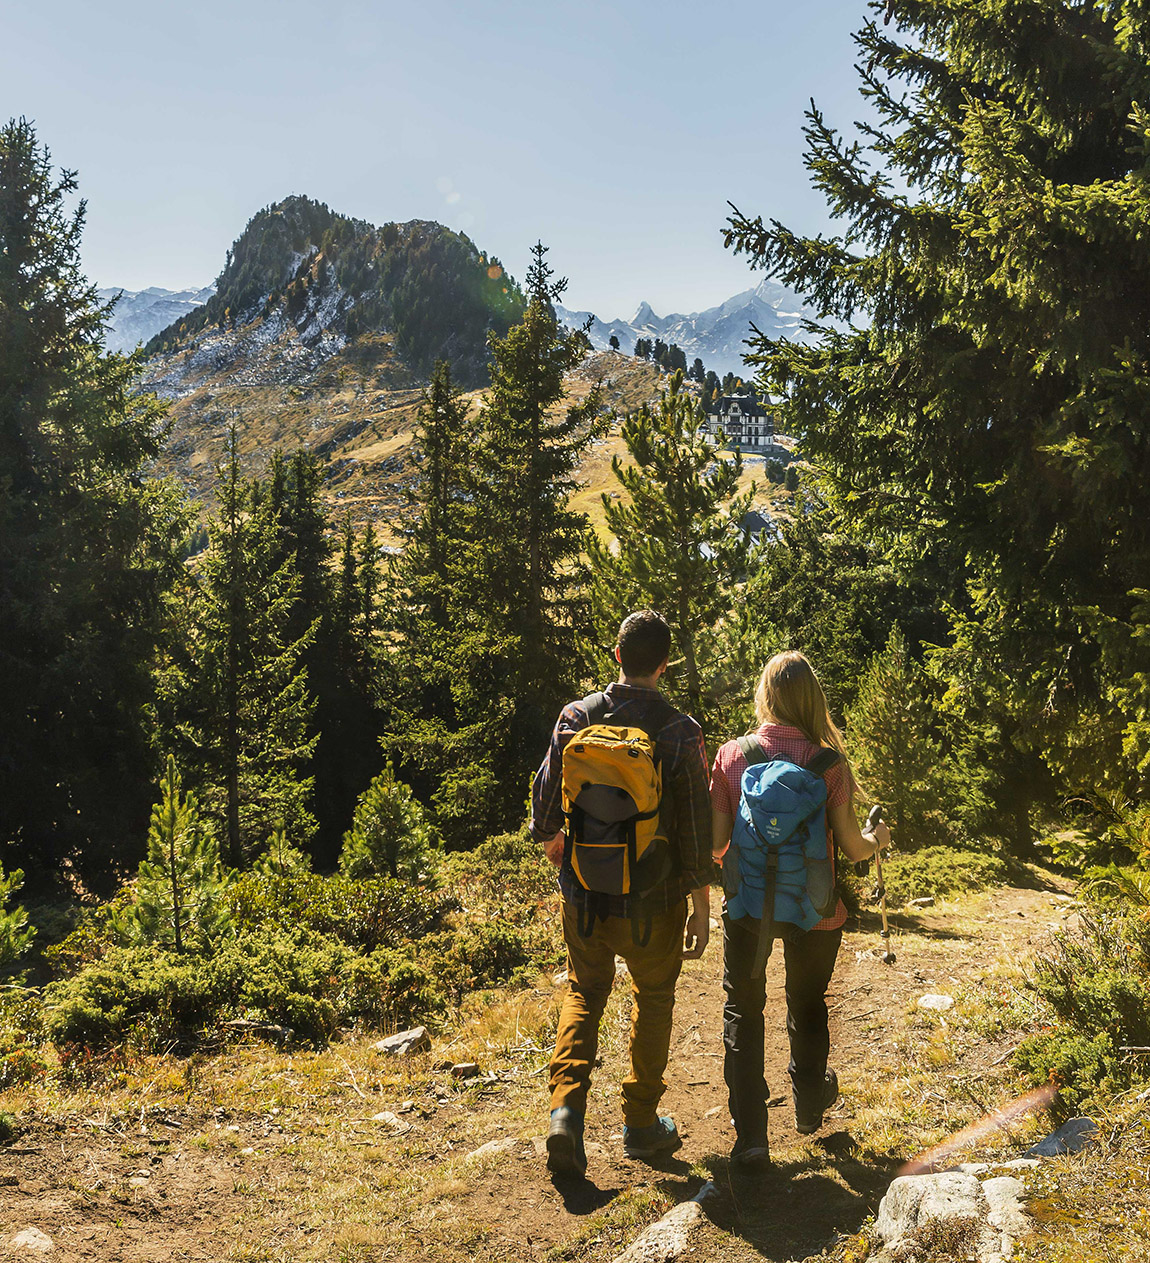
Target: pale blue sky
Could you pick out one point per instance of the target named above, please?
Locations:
(614, 132)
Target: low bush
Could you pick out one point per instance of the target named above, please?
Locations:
(1096, 981)
(155, 999)
(939, 871)
(368, 913)
(507, 875)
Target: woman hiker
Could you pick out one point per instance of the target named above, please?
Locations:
(795, 725)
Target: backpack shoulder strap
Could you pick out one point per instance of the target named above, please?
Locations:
(596, 705)
(822, 762)
(751, 750)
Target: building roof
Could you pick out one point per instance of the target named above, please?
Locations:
(748, 406)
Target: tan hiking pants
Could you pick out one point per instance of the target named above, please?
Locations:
(654, 972)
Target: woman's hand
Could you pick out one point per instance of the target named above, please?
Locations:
(850, 839)
(878, 836)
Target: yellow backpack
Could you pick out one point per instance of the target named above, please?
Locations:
(617, 841)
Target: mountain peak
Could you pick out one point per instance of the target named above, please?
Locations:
(717, 336)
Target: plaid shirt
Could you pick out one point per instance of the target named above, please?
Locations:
(683, 756)
(783, 742)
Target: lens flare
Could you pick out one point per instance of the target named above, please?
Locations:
(929, 1161)
(494, 272)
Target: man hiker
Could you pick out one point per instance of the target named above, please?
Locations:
(624, 812)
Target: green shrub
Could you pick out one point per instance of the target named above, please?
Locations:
(483, 954)
(1097, 983)
(1084, 1068)
(21, 1066)
(155, 998)
(370, 913)
(508, 871)
(939, 871)
(9, 1127)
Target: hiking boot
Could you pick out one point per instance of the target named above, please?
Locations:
(565, 1152)
(751, 1154)
(649, 1142)
(809, 1114)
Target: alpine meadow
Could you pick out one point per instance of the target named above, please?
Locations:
(296, 596)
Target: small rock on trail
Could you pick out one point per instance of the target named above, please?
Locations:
(31, 1241)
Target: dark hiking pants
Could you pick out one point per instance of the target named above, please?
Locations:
(809, 961)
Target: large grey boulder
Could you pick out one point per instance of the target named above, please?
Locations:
(952, 1212)
(404, 1043)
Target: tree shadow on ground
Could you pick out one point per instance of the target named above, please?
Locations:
(795, 1209)
(1026, 877)
(908, 923)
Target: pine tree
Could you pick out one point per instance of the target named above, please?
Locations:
(517, 587)
(613, 342)
(88, 545)
(179, 890)
(678, 548)
(390, 835)
(929, 774)
(244, 703)
(280, 858)
(15, 934)
(980, 373)
(422, 671)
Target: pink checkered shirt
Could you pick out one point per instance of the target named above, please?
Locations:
(784, 742)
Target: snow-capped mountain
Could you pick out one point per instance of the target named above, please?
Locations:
(143, 312)
(717, 336)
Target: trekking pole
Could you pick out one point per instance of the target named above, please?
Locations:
(874, 819)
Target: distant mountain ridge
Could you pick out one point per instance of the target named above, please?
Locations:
(140, 314)
(717, 336)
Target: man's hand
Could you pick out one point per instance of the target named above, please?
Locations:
(553, 848)
(697, 933)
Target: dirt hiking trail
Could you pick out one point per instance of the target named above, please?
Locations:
(261, 1155)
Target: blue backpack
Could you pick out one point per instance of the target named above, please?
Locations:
(777, 870)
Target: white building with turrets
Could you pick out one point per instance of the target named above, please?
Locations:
(743, 420)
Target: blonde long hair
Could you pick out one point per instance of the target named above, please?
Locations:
(789, 692)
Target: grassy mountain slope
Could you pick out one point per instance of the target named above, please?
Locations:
(321, 334)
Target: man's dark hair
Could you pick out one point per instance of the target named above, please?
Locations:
(644, 643)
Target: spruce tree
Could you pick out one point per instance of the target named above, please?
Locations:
(244, 705)
(390, 836)
(895, 753)
(979, 372)
(88, 545)
(15, 934)
(422, 671)
(925, 767)
(179, 890)
(677, 548)
(518, 589)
